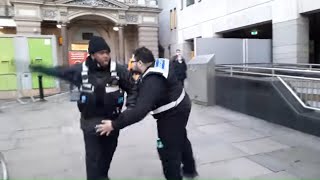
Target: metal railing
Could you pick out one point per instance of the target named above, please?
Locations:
(308, 91)
(302, 66)
(301, 80)
(3, 168)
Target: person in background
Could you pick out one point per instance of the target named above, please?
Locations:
(180, 66)
(134, 74)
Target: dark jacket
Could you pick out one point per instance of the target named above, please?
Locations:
(93, 113)
(154, 91)
(180, 68)
(73, 75)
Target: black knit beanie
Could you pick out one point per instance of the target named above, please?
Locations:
(96, 44)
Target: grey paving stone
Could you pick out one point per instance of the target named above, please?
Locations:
(271, 162)
(5, 136)
(234, 169)
(33, 133)
(305, 170)
(240, 135)
(285, 159)
(216, 153)
(217, 128)
(258, 146)
(6, 145)
(9, 124)
(298, 139)
(50, 137)
(277, 175)
(42, 141)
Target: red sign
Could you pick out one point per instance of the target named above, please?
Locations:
(76, 57)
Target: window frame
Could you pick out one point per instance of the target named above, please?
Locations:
(191, 3)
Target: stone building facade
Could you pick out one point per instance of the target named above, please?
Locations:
(125, 24)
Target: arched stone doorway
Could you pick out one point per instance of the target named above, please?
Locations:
(80, 30)
(137, 24)
(81, 27)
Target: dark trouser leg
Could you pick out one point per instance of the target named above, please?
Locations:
(109, 145)
(189, 166)
(99, 153)
(170, 153)
(176, 149)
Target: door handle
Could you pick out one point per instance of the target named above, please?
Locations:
(36, 60)
(13, 62)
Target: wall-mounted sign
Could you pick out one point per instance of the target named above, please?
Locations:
(76, 57)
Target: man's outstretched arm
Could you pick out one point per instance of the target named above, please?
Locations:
(71, 74)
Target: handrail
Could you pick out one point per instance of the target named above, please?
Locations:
(267, 68)
(296, 96)
(278, 73)
(277, 64)
(270, 75)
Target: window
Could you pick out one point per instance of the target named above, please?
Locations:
(173, 19)
(86, 36)
(182, 4)
(190, 2)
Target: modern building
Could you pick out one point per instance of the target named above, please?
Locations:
(291, 24)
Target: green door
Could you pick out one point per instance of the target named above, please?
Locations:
(40, 51)
(8, 78)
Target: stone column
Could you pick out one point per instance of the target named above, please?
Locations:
(291, 41)
(290, 33)
(148, 37)
(65, 47)
(121, 45)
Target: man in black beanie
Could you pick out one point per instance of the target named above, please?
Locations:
(101, 82)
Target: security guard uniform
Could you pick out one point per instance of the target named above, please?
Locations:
(101, 97)
(163, 95)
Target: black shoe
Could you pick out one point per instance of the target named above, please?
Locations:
(188, 175)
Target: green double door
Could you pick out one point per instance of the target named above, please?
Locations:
(40, 52)
(8, 76)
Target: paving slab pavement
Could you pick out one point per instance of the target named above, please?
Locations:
(43, 140)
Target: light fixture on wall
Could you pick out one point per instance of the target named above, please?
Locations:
(116, 28)
(254, 32)
(59, 25)
(1, 27)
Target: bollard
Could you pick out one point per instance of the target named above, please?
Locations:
(41, 88)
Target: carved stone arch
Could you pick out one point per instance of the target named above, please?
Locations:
(101, 3)
(84, 13)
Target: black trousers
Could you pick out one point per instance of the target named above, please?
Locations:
(99, 154)
(176, 149)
